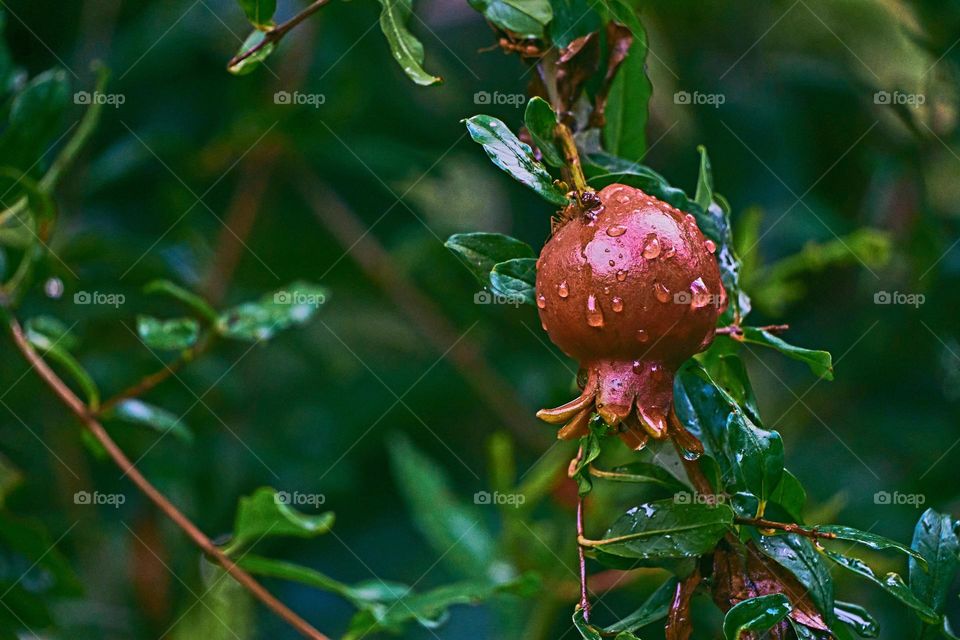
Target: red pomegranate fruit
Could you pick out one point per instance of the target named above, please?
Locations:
(631, 290)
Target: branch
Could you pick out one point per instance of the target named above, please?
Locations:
(276, 34)
(79, 409)
(584, 597)
(789, 527)
(734, 330)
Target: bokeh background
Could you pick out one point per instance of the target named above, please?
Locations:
(839, 194)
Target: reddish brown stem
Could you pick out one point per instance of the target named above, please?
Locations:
(584, 596)
(275, 34)
(789, 527)
(150, 381)
(679, 625)
(735, 330)
(79, 409)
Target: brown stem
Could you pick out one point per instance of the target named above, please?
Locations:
(735, 330)
(789, 527)
(80, 410)
(275, 34)
(150, 381)
(679, 624)
(572, 156)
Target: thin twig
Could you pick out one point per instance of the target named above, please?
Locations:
(789, 527)
(584, 596)
(736, 330)
(79, 409)
(275, 34)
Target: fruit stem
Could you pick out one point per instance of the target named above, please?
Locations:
(735, 331)
(572, 156)
(789, 527)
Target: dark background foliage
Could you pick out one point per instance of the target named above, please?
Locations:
(176, 174)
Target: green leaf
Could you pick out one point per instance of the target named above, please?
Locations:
(892, 583)
(168, 335)
(756, 614)
(625, 130)
(482, 251)
(667, 529)
(590, 446)
(797, 555)
(704, 196)
(226, 611)
(572, 19)
(267, 513)
(454, 528)
(820, 362)
(526, 18)
(406, 49)
(35, 118)
(759, 455)
(251, 62)
(729, 373)
(935, 539)
(515, 279)
(871, 540)
(279, 569)
(642, 473)
(140, 413)
(259, 12)
(587, 632)
(515, 157)
(857, 617)
(541, 122)
(790, 495)
(292, 305)
(654, 608)
(52, 346)
(189, 298)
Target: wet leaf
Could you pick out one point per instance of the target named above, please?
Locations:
(892, 583)
(857, 617)
(290, 306)
(541, 122)
(758, 454)
(626, 111)
(590, 445)
(516, 158)
(168, 335)
(934, 538)
(871, 540)
(515, 279)
(820, 362)
(34, 119)
(268, 513)
(790, 495)
(642, 473)
(667, 529)
(407, 50)
(572, 19)
(797, 555)
(252, 61)
(525, 18)
(259, 12)
(140, 413)
(482, 251)
(587, 631)
(755, 614)
(654, 608)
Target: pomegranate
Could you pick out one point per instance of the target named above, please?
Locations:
(631, 290)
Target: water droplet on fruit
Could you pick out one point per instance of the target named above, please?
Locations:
(690, 219)
(543, 325)
(710, 245)
(637, 367)
(617, 304)
(594, 315)
(612, 263)
(563, 290)
(621, 275)
(669, 252)
(541, 301)
(662, 293)
(700, 294)
(616, 230)
(622, 199)
(642, 336)
(652, 249)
